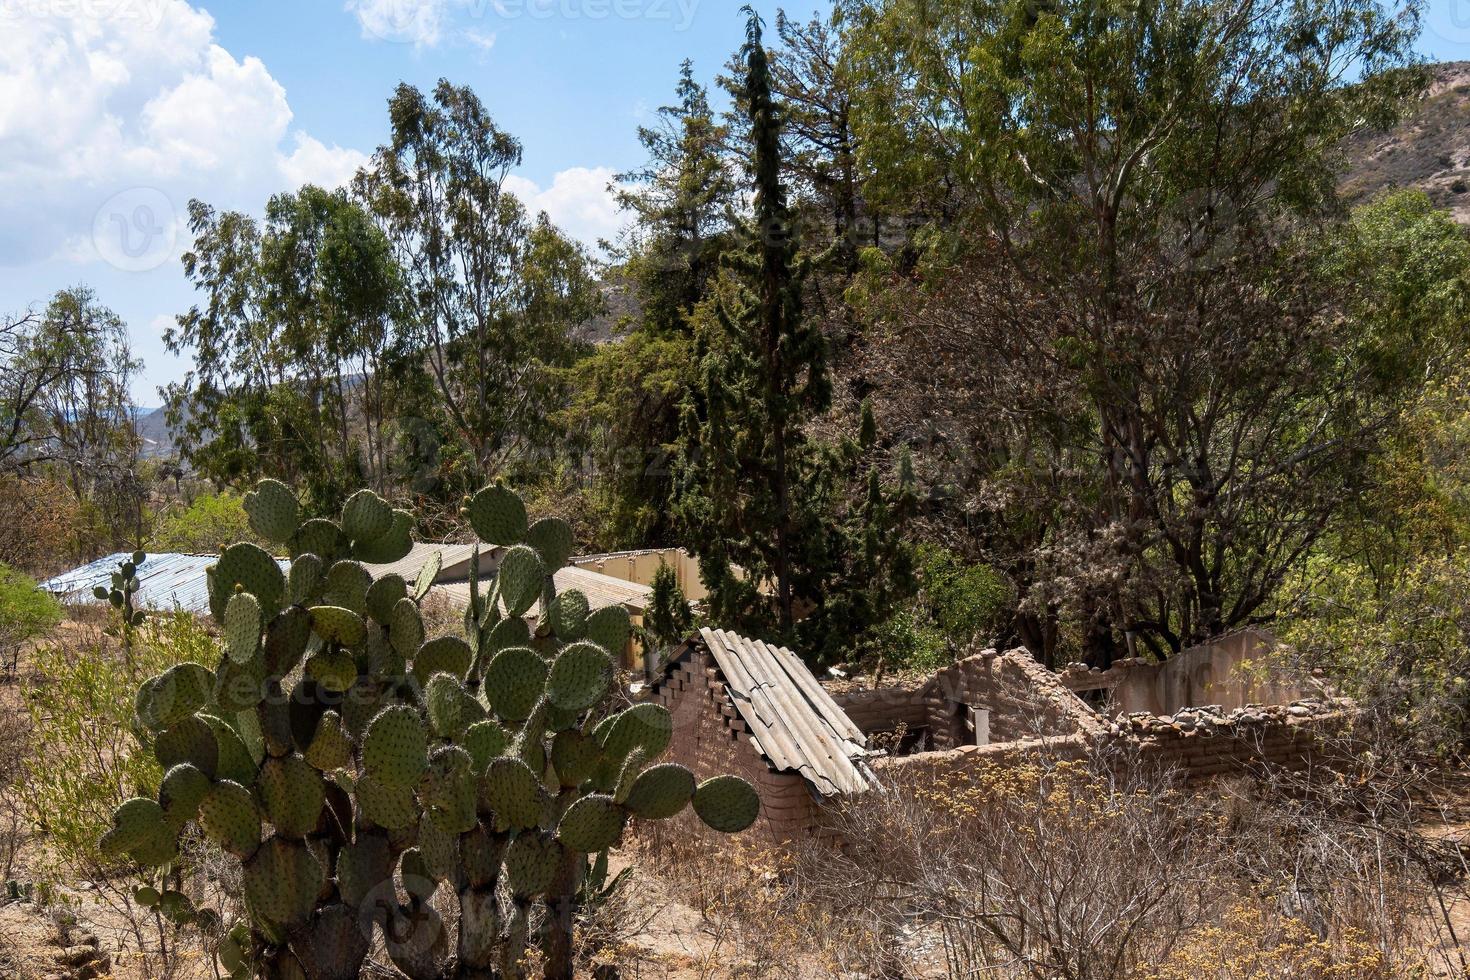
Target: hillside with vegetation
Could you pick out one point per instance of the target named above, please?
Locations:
(1097, 333)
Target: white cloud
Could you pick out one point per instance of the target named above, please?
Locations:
(99, 102)
(578, 202)
(417, 22)
(313, 162)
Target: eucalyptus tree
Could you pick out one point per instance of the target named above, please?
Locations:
(492, 296)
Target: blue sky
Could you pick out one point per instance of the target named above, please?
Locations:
(114, 113)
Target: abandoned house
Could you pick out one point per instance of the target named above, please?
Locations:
(746, 707)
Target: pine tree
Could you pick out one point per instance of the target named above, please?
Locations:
(669, 617)
(753, 487)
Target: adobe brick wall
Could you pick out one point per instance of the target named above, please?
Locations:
(884, 709)
(711, 739)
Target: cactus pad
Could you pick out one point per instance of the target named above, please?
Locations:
(273, 511)
(580, 678)
(183, 789)
(445, 655)
(282, 881)
(574, 756)
(338, 625)
(190, 741)
(362, 869)
(228, 814)
(514, 682)
(568, 615)
(329, 749)
(242, 627)
(427, 575)
(321, 538)
(334, 670)
(390, 807)
(497, 516)
(648, 727)
(347, 586)
(448, 790)
(395, 748)
(305, 580)
(292, 794)
(552, 539)
(661, 792)
(177, 693)
(286, 640)
(406, 628)
(531, 863)
(235, 760)
(509, 633)
(610, 628)
(484, 740)
(251, 569)
(383, 595)
(591, 824)
(366, 516)
(521, 578)
(727, 803)
(450, 707)
(390, 547)
(511, 790)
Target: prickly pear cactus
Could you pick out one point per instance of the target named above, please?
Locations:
(356, 767)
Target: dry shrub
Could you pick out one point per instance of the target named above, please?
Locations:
(1252, 942)
(1050, 869)
(754, 916)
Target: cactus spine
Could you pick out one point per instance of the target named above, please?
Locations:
(355, 769)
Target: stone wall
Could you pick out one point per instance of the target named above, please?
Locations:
(711, 739)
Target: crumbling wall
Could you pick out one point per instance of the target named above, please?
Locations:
(711, 739)
(1234, 671)
(1198, 745)
(885, 709)
(1023, 698)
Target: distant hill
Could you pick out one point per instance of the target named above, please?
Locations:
(152, 428)
(1430, 150)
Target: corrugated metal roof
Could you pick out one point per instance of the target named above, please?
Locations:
(601, 590)
(793, 720)
(455, 567)
(165, 581)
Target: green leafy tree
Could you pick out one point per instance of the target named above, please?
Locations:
(1145, 398)
(26, 613)
(493, 296)
(294, 349)
(207, 525)
(626, 395)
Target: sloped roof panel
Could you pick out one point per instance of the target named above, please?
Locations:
(796, 725)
